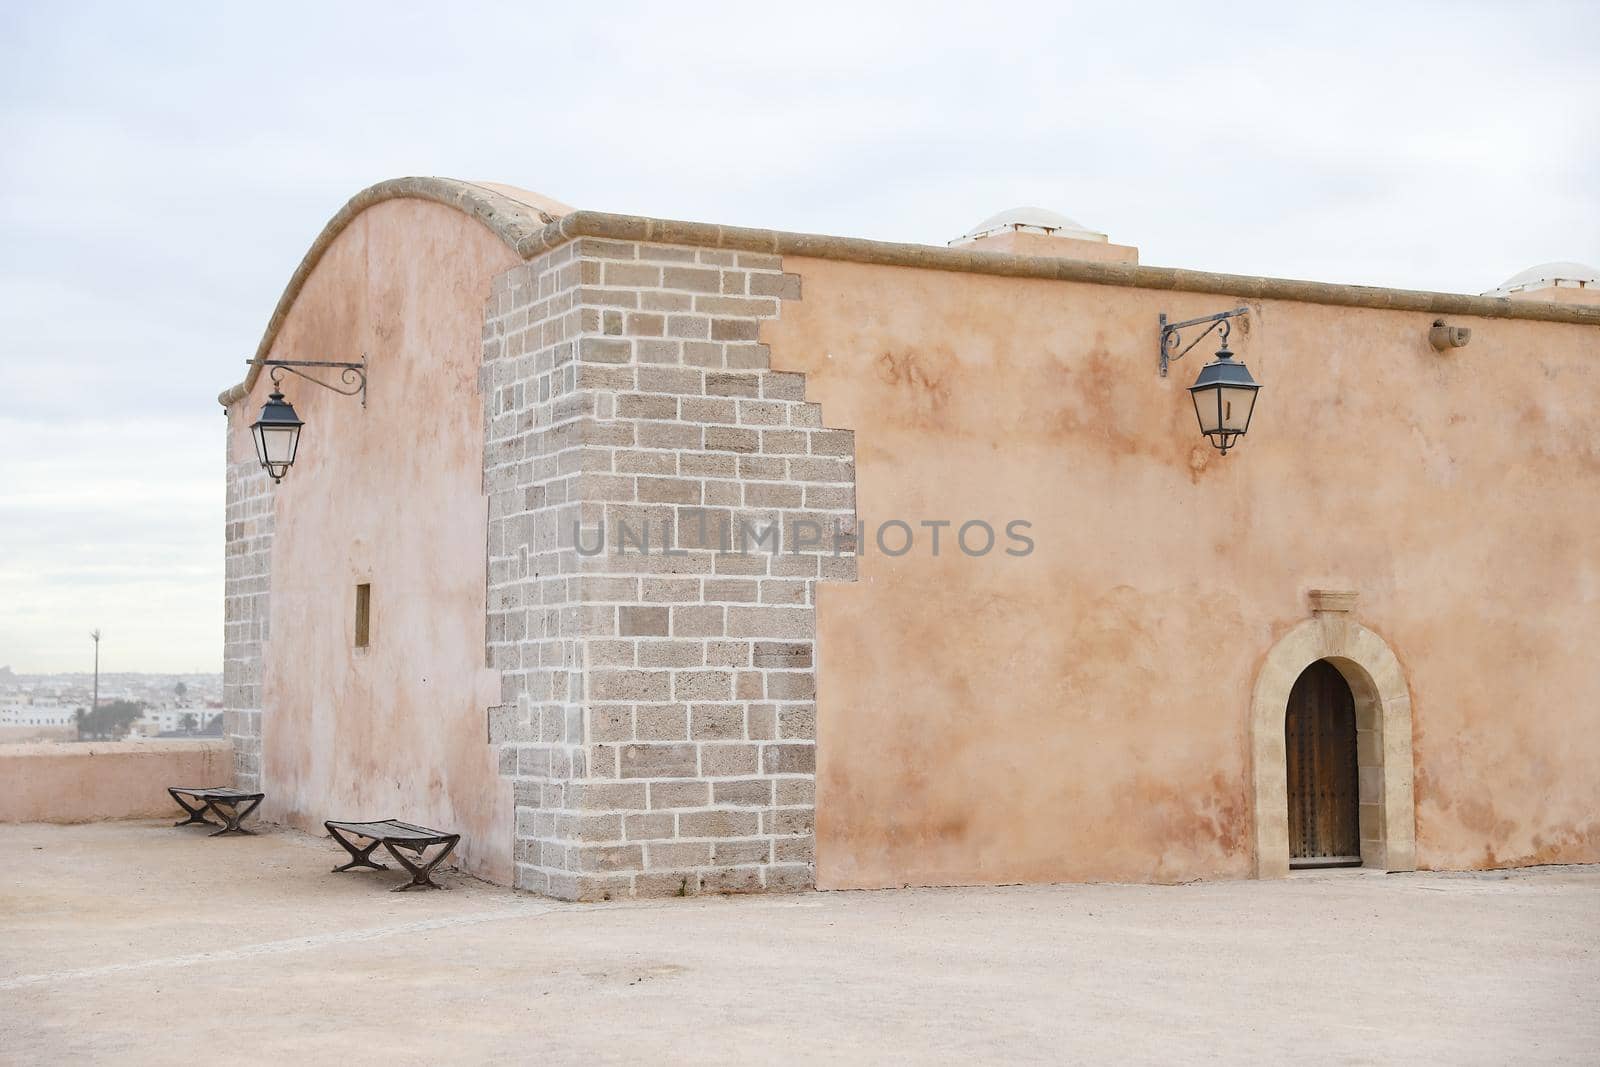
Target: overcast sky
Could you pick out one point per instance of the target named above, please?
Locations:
(164, 167)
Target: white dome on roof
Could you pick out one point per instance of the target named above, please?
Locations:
(1565, 275)
(1030, 220)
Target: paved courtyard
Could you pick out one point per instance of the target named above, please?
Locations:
(137, 943)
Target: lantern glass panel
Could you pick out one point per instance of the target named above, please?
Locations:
(276, 445)
(279, 443)
(1236, 404)
(1206, 409)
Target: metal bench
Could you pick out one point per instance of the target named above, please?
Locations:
(394, 836)
(229, 805)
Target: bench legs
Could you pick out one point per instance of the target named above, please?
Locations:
(420, 870)
(196, 814)
(358, 855)
(232, 815)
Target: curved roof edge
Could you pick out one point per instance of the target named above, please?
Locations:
(511, 220)
(529, 231)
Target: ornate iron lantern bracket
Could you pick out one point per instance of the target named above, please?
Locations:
(1170, 339)
(353, 376)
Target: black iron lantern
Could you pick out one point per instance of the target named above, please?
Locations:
(1224, 394)
(277, 434)
(277, 431)
(1224, 398)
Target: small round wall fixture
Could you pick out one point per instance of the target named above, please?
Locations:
(1224, 398)
(277, 434)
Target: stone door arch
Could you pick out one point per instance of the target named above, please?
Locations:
(1383, 736)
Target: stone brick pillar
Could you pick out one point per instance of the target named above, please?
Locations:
(662, 508)
(246, 592)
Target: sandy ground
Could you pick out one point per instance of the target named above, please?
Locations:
(137, 943)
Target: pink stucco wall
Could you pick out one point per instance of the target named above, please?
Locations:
(1082, 713)
(391, 495)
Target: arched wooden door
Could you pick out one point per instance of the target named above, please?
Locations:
(1320, 736)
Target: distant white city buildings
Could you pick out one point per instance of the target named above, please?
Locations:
(159, 721)
(37, 715)
(44, 707)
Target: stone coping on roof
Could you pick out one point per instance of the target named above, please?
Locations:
(529, 231)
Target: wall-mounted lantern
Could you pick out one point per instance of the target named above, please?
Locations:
(277, 434)
(1224, 394)
(277, 431)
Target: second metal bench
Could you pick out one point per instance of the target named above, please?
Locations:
(394, 836)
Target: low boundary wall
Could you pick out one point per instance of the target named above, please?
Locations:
(88, 782)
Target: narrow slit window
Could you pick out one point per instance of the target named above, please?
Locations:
(363, 614)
